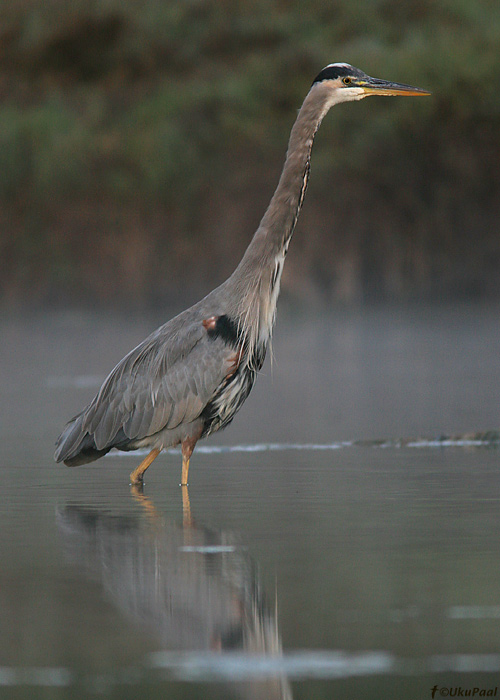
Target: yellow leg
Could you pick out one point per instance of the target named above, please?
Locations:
(137, 474)
(187, 448)
(185, 470)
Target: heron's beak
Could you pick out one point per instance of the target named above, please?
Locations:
(374, 86)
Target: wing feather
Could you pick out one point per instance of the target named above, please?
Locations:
(166, 380)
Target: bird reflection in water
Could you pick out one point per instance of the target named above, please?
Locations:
(194, 588)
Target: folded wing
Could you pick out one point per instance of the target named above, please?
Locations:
(165, 381)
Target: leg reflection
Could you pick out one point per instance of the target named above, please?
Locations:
(187, 518)
(137, 492)
(195, 587)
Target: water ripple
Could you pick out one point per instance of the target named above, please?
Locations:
(490, 438)
(236, 667)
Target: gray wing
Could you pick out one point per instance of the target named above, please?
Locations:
(166, 380)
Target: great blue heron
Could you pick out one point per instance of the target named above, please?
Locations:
(189, 377)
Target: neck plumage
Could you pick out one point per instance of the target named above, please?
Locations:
(278, 223)
(256, 281)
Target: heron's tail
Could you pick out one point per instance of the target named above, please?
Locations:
(75, 446)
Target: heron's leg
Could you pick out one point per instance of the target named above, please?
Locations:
(187, 450)
(137, 474)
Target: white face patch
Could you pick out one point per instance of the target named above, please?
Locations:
(343, 94)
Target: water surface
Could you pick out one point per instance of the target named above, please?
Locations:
(340, 539)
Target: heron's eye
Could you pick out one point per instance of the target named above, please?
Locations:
(346, 80)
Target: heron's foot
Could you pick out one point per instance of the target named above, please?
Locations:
(138, 474)
(137, 488)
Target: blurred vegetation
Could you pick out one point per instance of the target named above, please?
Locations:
(140, 142)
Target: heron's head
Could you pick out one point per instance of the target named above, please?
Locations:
(347, 83)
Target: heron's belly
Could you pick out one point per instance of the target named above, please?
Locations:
(168, 437)
(221, 410)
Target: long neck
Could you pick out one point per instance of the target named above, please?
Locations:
(255, 282)
(277, 225)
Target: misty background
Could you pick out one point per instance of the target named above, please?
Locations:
(141, 141)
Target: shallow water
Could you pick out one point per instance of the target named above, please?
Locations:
(340, 539)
